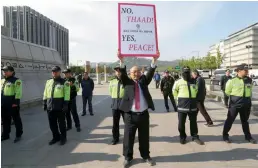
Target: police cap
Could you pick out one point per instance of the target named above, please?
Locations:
(242, 67)
(117, 67)
(186, 69)
(67, 71)
(56, 69)
(8, 68)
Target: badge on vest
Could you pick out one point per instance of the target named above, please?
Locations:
(193, 86)
(8, 84)
(248, 85)
(60, 86)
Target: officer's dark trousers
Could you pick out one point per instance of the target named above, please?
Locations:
(72, 109)
(226, 98)
(86, 99)
(116, 119)
(201, 108)
(8, 113)
(133, 122)
(57, 120)
(244, 116)
(193, 124)
(170, 95)
(157, 84)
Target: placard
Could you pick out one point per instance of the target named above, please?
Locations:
(137, 30)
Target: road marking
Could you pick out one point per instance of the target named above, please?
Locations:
(46, 131)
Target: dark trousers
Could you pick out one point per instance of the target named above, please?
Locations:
(57, 124)
(201, 108)
(132, 123)
(157, 84)
(72, 109)
(193, 124)
(86, 99)
(226, 98)
(171, 97)
(8, 113)
(116, 119)
(244, 116)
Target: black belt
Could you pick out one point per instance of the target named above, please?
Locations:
(138, 113)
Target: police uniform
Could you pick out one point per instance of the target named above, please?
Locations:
(56, 99)
(166, 88)
(72, 108)
(185, 92)
(11, 93)
(223, 82)
(240, 91)
(116, 92)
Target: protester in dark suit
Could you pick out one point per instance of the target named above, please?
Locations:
(201, 96)
(87, 93)
(135, 103)
(223, 82)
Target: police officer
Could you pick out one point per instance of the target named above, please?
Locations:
(56, 99)
(223, 82)
(239, 89)
(166, 89)
(11, 94)
(72, 108)
(116, 91)
(185, 91)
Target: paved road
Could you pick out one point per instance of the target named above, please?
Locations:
(90, 149)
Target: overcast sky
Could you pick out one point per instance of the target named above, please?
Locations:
(183, 27)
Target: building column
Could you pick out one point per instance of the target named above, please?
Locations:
(98, 74)
(105, 73)
(87, 66)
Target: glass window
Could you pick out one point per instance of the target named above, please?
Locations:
(36, 28)
(21, 26)
(31, 28)
(14, 19)
(7, 19)
(27, 25)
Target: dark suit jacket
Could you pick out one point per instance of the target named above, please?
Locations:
(128, 83)
(201, 88)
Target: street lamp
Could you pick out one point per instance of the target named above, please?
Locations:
(248, 47)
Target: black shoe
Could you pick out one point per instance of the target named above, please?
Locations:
(62, 142)
(226, 139)
(114, 142)
(150, 162)
(127, 163)
(4, 138)
(78, 129)
(209, 124)
(91, 114)
(251, 140)
(167, 110)
(53, 141)
(68, 128)
(198, 141)
(83, 114)
(17, 139)
(183, 141)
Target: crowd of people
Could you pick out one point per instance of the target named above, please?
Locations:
(131, 99)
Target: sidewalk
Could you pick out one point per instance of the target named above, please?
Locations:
(90, 148)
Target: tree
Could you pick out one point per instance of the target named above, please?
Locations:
(219, 58)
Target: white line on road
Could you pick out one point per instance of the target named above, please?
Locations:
(46, 131)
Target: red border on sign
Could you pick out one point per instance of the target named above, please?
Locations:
(119, 31)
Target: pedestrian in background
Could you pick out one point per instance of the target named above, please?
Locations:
(185, 91)
(56, 99)
(166, 86)
(223, 82)
(87, 93)
(11, 93)
(116, 91)
(201, 94)
(157, 79)
(72, 108)
(239, 89)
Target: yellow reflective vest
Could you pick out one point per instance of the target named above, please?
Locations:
(116, 91)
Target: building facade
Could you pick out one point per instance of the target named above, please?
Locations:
(242, 47)
(29, 25)
(213, 49)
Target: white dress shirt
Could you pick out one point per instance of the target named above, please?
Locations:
(143, 103)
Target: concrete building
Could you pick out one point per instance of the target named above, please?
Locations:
(28, 25)
(213, 48)
(242, 47)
